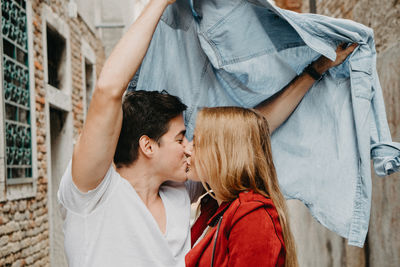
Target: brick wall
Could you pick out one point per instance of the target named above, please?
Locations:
(24, 224)
(294, 5)
(382, 16)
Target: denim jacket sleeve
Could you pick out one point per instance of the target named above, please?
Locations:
(384, 152)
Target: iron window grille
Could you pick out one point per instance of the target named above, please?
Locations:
(16, 93)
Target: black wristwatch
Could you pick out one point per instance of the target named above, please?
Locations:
(312, 72)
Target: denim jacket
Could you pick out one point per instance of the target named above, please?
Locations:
(241, 52)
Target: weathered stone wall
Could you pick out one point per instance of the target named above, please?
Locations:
(318, 246)
(24, 224)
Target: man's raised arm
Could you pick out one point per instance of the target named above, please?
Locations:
(94, 151)
(279, 107)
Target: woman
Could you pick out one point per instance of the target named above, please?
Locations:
(232, 157)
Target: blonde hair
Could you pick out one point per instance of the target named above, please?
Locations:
(232, 149)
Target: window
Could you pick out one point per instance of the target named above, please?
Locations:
(88, 73)
(16, 94)
(56, 58)
(313, 6)
(88, 82)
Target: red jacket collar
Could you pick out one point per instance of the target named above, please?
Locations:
(220, 211)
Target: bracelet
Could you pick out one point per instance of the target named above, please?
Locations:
(312, 72)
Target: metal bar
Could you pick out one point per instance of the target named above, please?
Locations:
(110, 25)
(16, 62)
(3, 105)
(17, 105)
(18, 123)
(19, 166)
(14, 181)
(18, 5)
(15, 43)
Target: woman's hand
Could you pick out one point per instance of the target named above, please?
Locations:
(166, 2)
(322, 64)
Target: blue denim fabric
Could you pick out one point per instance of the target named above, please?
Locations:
(240, 52)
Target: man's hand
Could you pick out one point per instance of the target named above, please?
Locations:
(322, 64)
(167, 2)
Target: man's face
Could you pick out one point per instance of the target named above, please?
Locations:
(171, 156)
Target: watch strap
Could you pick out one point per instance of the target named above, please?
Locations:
(312, 72)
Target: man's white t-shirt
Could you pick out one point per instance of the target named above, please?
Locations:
(111, 226)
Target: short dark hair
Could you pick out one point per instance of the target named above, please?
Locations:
(144, 113)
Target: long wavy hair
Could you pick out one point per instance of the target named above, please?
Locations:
(232, 149)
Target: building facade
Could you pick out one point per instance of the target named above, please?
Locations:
(50, 59)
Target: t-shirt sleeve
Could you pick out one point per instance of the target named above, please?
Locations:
(71, 198)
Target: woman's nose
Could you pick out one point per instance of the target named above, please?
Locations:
(188, 149)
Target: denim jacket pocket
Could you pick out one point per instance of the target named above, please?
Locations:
(232, 39)
(361, 76)
(178, 15)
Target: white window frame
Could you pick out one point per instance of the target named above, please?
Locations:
(59, 99)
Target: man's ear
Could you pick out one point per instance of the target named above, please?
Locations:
(147, 146)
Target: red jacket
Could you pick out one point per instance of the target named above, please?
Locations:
(249, 234)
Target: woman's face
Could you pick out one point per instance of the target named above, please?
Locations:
(191, 172)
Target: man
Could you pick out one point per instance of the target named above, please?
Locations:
(129, 213)
(137, 220)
